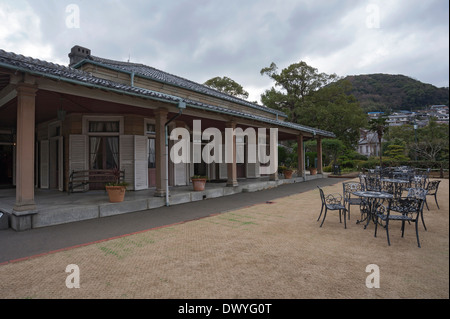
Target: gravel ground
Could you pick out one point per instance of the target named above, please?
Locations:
(270, 250)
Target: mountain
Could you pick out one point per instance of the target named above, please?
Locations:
(386, 92)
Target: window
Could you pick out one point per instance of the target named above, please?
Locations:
(104, 152)
(151, 153)
(151, 129)
(104, 126)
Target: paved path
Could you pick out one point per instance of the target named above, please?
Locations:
(15, 245)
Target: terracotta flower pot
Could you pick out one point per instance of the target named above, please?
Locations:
(313, 171)
(288, 174)
(116, 193)
(199, 184)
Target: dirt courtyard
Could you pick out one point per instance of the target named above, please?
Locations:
(270, 250)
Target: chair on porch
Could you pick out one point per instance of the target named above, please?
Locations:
(332, 202)
(349, 199)
(402, 209)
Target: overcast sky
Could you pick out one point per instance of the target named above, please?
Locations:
(201, 39)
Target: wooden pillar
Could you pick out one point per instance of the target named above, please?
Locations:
(25, 148)
(231, 165)
(319, 155)
(301, 157)
(161, 155)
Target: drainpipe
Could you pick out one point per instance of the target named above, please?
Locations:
(181, 105)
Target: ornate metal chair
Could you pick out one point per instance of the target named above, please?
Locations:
(349, 199)
(401, 209)
(419, 193)
(432, 189)
(332, 202)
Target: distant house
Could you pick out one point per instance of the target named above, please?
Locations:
(368, 144)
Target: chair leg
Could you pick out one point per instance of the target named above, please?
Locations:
(324, 216)
(348, 211)
(423, 222)
(340, 219)
(321, 210)
(345, 219)
(435, 199)
(417, 233)
(403, 228)
(376, 227)
(387, 232)
(426, 204)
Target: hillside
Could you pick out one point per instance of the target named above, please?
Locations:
(385, 92)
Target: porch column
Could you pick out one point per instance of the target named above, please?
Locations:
(25, 148)
(301, 157)
(319, 155)
(231, 165)
(161, 156)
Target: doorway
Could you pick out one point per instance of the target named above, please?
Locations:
(6, 164)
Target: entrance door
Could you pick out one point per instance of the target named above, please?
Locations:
(6, 164)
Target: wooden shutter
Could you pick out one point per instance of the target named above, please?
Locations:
(126, 158)
(78, 153)
(223, 166)
(140, 162)
(61, 164)
(44, 164)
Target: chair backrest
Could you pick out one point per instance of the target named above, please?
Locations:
(406, 205)
(350, 187)
(396, 189)
(417, 192)
(322, 195)
(432, 187)
(419, 181)
(372, 183)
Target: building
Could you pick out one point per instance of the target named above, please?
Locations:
(101, 114)
(368, 144)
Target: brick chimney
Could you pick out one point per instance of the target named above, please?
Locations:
(77, 54)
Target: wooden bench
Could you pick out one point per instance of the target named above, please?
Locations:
(79, 179)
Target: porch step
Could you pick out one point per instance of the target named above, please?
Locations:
(72, 212)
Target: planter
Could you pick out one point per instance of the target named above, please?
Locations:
(199, 184)
(288, 174)
(313, 171)
(116, 193)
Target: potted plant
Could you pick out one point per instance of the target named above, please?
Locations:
(198, 182)
(312, 170)
(116, 190)
(286, 171)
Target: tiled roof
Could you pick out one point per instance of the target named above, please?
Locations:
(54, 71)
(164, 77)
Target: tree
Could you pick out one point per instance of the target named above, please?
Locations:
(432, 141)
(227, 85)
(297, 82)
(379, 126)
(315, 99)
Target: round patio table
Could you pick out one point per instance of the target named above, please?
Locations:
(372, 201)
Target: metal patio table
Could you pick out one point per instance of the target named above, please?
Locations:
(372, 199)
